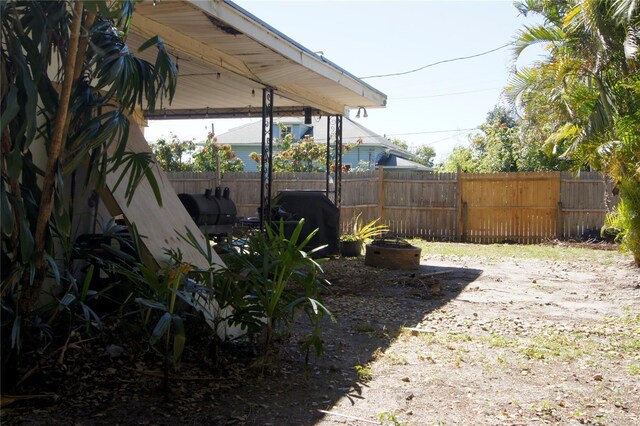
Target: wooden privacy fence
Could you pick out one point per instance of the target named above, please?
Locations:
(488, 207)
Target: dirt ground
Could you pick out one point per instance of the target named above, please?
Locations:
(462, 341)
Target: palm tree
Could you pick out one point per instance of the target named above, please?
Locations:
(68, 81)
(586, 92)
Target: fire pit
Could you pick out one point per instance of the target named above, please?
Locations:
(392, 253)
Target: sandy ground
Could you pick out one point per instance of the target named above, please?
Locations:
(514, 342)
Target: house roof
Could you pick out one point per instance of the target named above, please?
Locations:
(393, 160)
(250, 134)
(226, 56)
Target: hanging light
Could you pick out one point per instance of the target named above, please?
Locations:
(207, 114)
(364, 110)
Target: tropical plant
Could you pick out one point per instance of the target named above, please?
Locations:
(283, 279)
(503, 145)
(68, 83)
(624, 223)
(167, 296)
(362, 232)
(304, 155)
(214, 155)
(424, 155)
(583, 97)
(362, 166)
(400, 143)
(170, 152)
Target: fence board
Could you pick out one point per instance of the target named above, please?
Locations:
(585, 200)
(494, 207)
(519, 207)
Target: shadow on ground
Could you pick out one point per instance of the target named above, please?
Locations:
(372, 307)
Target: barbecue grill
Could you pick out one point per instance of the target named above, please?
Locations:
(214, 212)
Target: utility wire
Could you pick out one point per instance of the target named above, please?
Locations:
(437, 63)
(432, 132)
(442, 95)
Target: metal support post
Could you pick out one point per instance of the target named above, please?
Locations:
(266, 161)
(338, 174)
(328, 165)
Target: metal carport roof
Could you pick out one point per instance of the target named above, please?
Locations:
(226, 56)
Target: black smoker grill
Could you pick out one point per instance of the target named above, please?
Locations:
(214, 213)
(318, 212)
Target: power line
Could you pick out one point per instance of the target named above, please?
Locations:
(441, 95)
(437, 63)
(432, 132)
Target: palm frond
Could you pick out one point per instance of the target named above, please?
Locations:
(536, 34)
(631, 43)
(626, 9)
(520, 82)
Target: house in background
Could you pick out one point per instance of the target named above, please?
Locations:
(375, 150)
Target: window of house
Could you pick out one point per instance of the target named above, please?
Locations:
(279, 133)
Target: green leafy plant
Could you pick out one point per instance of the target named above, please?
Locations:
(302, 155)
(230, 300)
(365, 374)
(68, 83)
(167, 296)
(624, 222)
(362, 232)
(582, 98)
(170, 151)
(390, 419)
(214, 155)
(166, 286)
(283, 279)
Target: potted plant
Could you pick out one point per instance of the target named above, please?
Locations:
(351, 244)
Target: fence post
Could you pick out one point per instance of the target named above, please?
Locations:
(459, 216)
(381, 193)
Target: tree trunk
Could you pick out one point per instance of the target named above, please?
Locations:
(30, 293)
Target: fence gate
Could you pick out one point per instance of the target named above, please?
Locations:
(509, 207)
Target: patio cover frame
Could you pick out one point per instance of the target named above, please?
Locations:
(226, 55)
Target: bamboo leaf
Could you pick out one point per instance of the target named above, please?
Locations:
(153, 183)
(62, 217)
(150, 42)
(14, 163)
(54, 267)
(11, 107)
(66, 301)
(162, 326)
(89, 314)
(179, 338)
(6, 213)
(86, 283)
(296, 232)
(26, 241)
(151, 304)
(16, 333)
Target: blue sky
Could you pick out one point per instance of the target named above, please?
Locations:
(428, 107)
